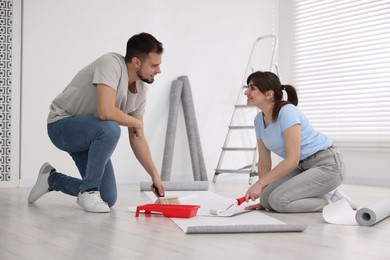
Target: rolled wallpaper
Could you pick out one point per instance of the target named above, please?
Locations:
(340, 212)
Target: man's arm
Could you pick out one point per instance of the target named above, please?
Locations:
(107, 110)
(141, 151)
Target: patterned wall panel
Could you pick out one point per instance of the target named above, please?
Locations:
(5, 89)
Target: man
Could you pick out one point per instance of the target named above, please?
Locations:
(85, 120)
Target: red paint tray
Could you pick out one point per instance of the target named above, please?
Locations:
(170, 210)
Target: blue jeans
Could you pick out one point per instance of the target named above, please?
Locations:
(303, 189)
(90, 142)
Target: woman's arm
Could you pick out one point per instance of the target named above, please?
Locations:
(292, 139)
(264, 162)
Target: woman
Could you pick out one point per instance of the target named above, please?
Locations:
(311, 167)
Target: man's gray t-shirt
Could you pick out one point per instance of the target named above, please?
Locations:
(80, 98)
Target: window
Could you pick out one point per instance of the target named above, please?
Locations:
(341, 69)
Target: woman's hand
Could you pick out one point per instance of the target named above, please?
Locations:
(255, 207)
(254, 191)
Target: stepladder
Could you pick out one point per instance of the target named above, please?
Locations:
(239, 153)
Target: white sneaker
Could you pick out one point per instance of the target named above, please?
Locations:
(41, 187)
(92, 202)
(338, 195)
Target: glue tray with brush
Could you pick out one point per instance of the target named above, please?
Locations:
(170, 210)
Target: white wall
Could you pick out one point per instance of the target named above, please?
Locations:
(208, 40)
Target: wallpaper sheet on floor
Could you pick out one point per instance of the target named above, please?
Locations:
(240, 221)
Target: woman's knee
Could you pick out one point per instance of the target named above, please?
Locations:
(264, 203)
(277, 203)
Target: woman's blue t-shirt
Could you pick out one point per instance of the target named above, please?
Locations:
(312, 141)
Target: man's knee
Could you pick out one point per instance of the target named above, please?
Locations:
(111, 130)
(110, 199)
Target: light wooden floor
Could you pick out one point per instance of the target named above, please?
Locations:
(56, 228)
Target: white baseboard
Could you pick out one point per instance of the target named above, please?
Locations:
(367, 181)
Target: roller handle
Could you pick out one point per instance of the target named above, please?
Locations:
(240, 200)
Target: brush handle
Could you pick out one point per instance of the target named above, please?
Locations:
(157, 191)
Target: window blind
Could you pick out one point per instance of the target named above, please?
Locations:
(341, 69)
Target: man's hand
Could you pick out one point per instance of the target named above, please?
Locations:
(158, 189)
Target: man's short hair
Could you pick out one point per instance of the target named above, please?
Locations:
(140, 45)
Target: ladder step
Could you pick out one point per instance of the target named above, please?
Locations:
(242, 127)
(246, 124)
(232, 171)
(239, 148)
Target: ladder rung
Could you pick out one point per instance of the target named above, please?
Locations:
(239, 107)
(241, 127)
(239, 148)
(233, 171)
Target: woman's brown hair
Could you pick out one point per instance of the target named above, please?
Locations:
(266, 80)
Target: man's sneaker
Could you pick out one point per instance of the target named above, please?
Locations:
(92, 202)
(338, 195)
(41, 187)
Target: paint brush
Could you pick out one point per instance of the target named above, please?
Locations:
(165, 199)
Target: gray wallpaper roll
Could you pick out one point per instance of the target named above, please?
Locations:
(371, 215)
(198, 164)
(181, 90)
(176, 90)
(178, 185)
(191, 127)
(246, 229)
